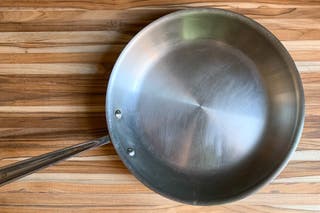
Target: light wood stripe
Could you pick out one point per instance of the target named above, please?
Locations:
(85, 158)
(64, 49)
(299, 207)
(109, 57)
(32, 109)
(308, 155)
(302, 45)
(290, 23)
(106, 57)
(308, 66)
(51, 69)
(277, 199)
(305, 179)
(30, 39)
(81, 178)
(95, 69)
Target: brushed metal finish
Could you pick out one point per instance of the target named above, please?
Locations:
(205, 106)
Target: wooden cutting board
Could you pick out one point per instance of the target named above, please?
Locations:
(55, 60)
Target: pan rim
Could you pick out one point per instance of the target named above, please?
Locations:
(296, 132)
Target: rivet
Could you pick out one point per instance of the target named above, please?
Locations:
(131, 152)
(118, 114)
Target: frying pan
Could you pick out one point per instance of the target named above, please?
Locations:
(203, 106)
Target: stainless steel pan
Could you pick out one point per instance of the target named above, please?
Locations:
(203, 106)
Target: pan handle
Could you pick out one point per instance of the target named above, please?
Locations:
(20, 169)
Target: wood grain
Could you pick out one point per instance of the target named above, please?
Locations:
(55, 60)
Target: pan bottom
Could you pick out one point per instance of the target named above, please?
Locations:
(205, 109)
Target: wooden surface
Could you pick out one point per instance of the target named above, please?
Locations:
(55, 59)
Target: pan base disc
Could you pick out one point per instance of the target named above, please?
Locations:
(205, 107)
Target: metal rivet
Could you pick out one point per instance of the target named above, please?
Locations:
(131, 152)
(118, 114)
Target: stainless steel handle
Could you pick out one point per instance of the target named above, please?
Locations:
(28, 166)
